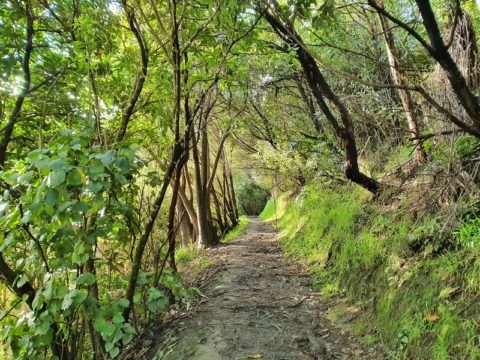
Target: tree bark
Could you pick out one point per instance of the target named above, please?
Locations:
(186, 225)
(399, 79)
(206, 236)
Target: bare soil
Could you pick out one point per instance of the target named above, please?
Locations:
(258, 306)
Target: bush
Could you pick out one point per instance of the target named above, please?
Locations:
(252, 198)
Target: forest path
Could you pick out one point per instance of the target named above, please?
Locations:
(259, 307)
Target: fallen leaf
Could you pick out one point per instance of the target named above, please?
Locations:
(255, 356)
(432, 317)
(352, 309)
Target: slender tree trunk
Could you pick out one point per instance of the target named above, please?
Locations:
(226, 203)
(141, 75)
(218, 213)
(399, 79)
(171, 217)
(312, 113)
(186, 226)
(437, 49)
(188, 206)
(137, 260)
(233, 197)
(205, 231)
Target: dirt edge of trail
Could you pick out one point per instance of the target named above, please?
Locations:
(257, 306)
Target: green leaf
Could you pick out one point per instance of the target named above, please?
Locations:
(37, 301)
(43, 328)
(157, 300)
(76, 177)
(26, 177)
(128, 329)
(74, 298)
(114, 352)
(108, 330)
(122, 180)
(127, 338)
(80, 253)
(123, 303)
(118, 318)
(94, 187)
(123, 164)
(142, 278)
(96, 168)
(55, 178)
(137, 297)
(447, 292)
(99, 323)
(80, 207)
(80, 296)
(117, 336)
(86, 279)
(107, 158)
(39, 159)
(58, 164)
(109, 346)
(22, 281)
(51, 196)
(10, 239)
(11, 177)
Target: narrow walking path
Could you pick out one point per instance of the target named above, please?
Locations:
(260, 307)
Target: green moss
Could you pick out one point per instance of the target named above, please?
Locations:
(419, 304)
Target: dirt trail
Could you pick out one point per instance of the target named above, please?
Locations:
(259, 307)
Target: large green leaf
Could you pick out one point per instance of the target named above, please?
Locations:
(86, 279)
(55, 178)
(76, 177)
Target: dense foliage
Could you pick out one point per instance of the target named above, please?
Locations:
(130, 129)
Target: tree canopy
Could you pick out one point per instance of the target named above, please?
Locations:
(129, 128)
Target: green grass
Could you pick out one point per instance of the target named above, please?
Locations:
(275, 207)
(420, 304)
(237, 231)
(194, 258)
(187, 253)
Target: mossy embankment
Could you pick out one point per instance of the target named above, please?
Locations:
(415, 281)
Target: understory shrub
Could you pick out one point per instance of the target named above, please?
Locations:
(251, 198)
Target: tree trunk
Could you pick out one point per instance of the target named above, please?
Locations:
(206, 237)
(171, 217)
(321, 90)
(218, 212)
(399, 79)
(187, 231)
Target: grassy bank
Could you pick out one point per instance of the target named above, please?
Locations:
(196, 259)
(416, 283)
(237, 230)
